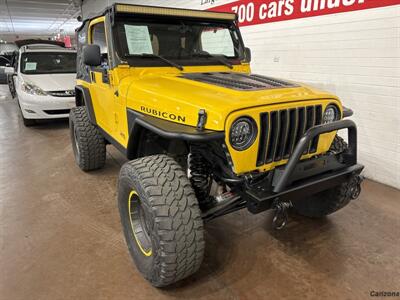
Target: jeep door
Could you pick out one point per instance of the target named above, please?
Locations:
(101, 90)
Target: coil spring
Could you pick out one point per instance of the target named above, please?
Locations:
(200, 175)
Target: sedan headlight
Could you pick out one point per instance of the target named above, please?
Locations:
(32, 89)
(331, 114)
(243, 133)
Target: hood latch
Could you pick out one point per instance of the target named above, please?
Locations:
(202, 119)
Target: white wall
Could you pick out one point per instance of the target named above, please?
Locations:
(355, 55)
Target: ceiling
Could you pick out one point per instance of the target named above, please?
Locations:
(37, 18)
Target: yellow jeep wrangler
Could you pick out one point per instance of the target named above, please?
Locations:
(172, 89)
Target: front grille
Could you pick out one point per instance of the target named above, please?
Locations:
(282, 129)
(67, 93)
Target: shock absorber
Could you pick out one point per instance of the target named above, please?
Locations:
(200, 176)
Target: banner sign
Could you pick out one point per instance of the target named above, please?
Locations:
(252, 12)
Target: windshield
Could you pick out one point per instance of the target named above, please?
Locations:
(184, 42)
(48, 63)
(4, 60)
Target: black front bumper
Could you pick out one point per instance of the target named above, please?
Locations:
(298, 179)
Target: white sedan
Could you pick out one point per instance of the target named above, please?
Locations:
(44, 80)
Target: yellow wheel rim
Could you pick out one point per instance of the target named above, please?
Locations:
(136, 226)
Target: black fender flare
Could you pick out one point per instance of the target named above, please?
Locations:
(87, 101)
(165, 129)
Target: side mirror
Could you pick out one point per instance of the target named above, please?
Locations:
(92, 55)
(7, 70)
(247, 54)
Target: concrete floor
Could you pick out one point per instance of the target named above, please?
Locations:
(60, 236)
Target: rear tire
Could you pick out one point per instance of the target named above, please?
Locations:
(161, 219)
(327, 202)
(87, 142)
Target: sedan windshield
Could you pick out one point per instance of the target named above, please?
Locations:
(4, 60)
(48, 63)
(183, 42)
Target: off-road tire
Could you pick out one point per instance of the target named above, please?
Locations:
(338, 145)
(327, 202)
(175, 228)
(324, 203)
(87, 142)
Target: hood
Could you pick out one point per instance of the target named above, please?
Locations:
(239, 81)
(219, 93)
(52, 82)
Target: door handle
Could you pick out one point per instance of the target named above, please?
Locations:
(105, 76)
(92, 77)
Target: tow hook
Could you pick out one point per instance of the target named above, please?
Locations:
(355, 186)
(281, 213)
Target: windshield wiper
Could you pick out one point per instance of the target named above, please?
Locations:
(217, 57)
(148, 55)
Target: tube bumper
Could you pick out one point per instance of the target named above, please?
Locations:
(298, 178)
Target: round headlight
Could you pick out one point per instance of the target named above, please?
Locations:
(243, 133)
(331, 114)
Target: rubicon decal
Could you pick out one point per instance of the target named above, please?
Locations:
(163, 114)
(252, 12)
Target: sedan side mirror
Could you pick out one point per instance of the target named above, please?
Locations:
(7, 70)
(247, 54)
(92, 55)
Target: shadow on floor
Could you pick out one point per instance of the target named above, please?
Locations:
(51, 124)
